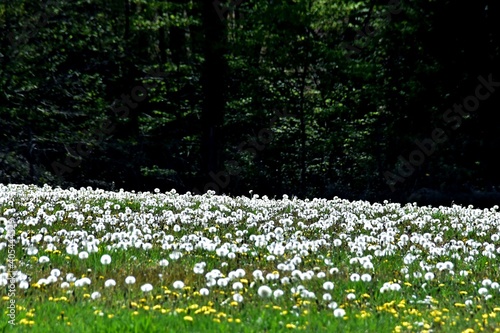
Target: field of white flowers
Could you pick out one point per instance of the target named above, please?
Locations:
(89, 260)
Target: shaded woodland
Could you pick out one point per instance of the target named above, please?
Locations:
(373, 100)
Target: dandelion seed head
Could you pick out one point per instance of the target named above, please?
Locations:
(146, 287)
(106, 259)
(264, 291)
(130, 280)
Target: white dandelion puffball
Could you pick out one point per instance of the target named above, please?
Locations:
(264, 291)
(328, 285)
(237, 285)
(106, 259)
(147, 287)
(55, 272)
(366, 277)
(130, 280)
(339, 312)
(278, 293)
(238, 298)
(83, 255)
(43, 259)
(333, 305)
(483, 291)
(178, 284)
(110, 283)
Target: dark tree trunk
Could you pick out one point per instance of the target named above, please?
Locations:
(213, 80)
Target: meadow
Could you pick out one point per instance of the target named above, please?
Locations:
(88, 260)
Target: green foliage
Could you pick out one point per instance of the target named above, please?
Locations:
(359, 82)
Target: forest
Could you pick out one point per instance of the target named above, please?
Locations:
(370, 100)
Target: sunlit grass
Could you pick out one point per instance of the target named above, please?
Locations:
(95, 261)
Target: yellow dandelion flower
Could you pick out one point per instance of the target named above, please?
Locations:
(436, 313)
(188, 318)
(238, 320)
(364, 314)
(291, 326)
(217, 320)
(414, 312)
(110, 315)
(5, 298)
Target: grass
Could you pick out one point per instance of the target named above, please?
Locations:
(394, 268)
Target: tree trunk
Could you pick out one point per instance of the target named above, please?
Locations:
(213, 80)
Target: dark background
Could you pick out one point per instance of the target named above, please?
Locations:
(306, 98)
